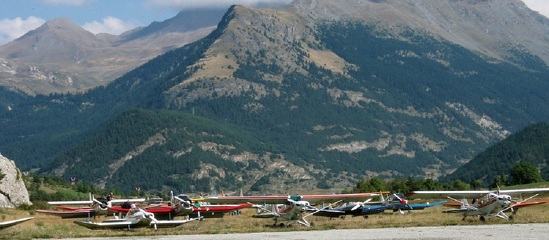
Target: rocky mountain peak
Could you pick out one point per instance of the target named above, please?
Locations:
(491, 27)
(60, 56)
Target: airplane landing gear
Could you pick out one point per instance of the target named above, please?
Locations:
(482, 218)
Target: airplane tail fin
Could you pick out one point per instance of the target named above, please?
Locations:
(464, 203)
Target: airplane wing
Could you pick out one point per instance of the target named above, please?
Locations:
(471, 194)
(280, 199)
(515, 192)
(445, 194)
(7, 224)
(221, 208)
(110, 224)
(70, 202)
(515, 206)
(251, 199)
(68, 213)
(327, 198)
(131, 200)
(529, 203)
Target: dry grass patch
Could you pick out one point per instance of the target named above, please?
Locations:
(46, 226)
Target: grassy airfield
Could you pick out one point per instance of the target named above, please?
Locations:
(47, 226)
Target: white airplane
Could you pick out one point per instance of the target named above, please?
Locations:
(136, 217)
(486, 204)
(290, 209)
(90, 207)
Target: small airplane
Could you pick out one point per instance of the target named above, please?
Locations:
(293, 210)
(514, 207)
(135, 218)
(486, 204)
(7, 224)
(398, 202)
(289, 209)
(180, 205)
(394, 202)
(93, 206)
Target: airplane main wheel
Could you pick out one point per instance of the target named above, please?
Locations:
(312, 224)
(365, 216)
(511, 218)
(482, 218)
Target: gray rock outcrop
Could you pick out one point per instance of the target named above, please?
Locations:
(12, 188)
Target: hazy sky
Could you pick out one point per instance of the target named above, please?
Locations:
(116, 16)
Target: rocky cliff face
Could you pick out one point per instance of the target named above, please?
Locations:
(494, 28)
(12, 189)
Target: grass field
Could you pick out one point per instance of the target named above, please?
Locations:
(47, 226)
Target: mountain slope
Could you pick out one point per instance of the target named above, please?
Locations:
(335, 100)
(62, 57)
(530, 144)
(493, 28)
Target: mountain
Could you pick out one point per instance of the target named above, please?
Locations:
(60, 56)
(497, 29)
(315, 95)
(530, 144)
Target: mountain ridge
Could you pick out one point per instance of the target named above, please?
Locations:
(472, 24)
(336, 100)
(71, 59)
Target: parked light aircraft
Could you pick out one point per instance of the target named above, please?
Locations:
(180, 205)
(514, 207)
(398, 202)
(90, 207)
(289, 209)
(486, 204)
(294, 210)
(394, 202)
(136, 217)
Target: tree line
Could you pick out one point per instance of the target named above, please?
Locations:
(521, 173)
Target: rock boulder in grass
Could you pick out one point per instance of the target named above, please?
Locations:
(13, 191)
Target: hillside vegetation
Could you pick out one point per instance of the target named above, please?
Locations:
(530, 145)
(253, 107)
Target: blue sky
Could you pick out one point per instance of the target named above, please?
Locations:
(116, 16)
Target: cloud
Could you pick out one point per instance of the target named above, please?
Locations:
(186, 4)
(13, 28)
(109, 25)
(65, 2)
(541, 6)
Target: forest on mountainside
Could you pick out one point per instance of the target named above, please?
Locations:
(530, 145)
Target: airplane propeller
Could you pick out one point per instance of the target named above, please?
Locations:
(101, 205)
(402, 201)
(360, 204)
(518, 202)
